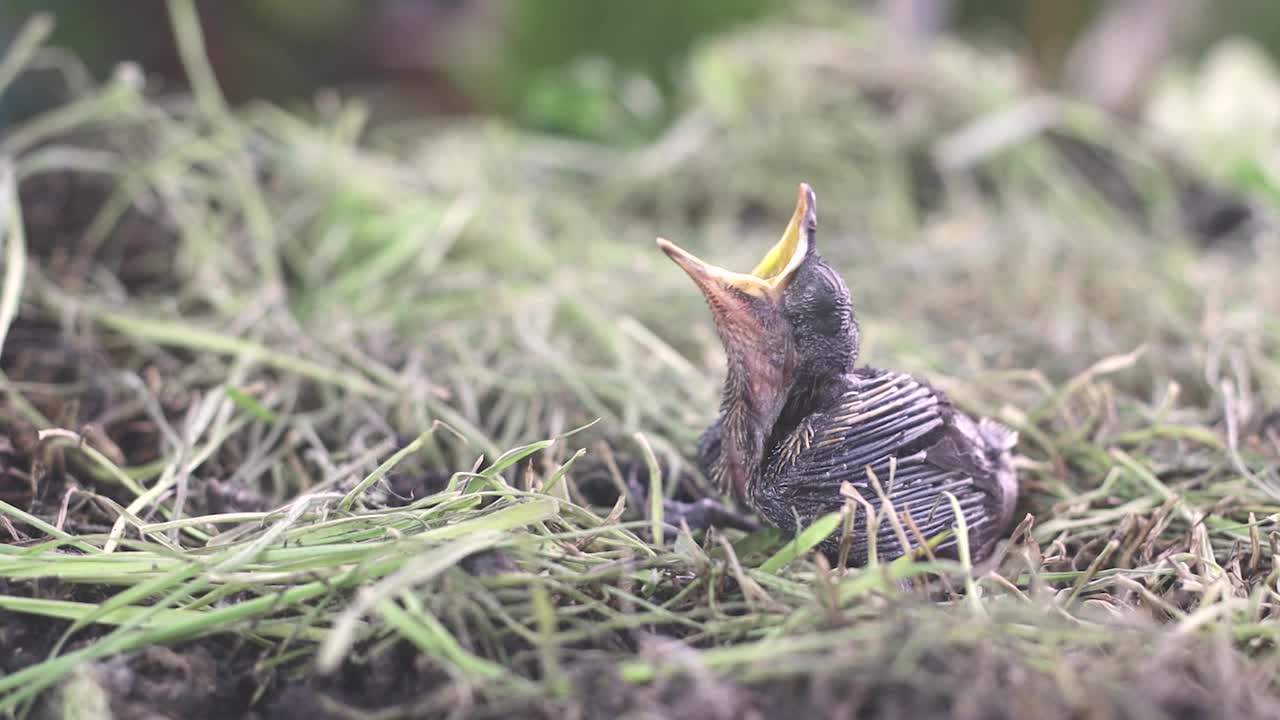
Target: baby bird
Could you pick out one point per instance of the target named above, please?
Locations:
(799, 420)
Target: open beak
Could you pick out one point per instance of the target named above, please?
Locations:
(724, 288)
(748, 311)
(780, 263)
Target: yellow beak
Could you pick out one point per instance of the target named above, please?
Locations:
(784, 257)
(775, 270)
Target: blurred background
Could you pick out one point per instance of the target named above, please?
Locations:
(603, 70)
(1005, 184)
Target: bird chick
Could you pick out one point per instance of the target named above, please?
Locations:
(800, 423)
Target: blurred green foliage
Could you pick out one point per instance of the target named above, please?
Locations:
(604, 70)
(639, 36)
(601, 70)
(589, 68)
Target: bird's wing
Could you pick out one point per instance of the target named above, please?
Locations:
(708, 451)
(910, 439)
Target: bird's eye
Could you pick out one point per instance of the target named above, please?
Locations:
(822, 314)
(820, 303)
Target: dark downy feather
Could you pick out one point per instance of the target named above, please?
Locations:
(917, 446)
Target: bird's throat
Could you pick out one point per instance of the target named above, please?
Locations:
(754, 393)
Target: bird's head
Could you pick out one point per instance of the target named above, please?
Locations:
(792, 312)
(816, 306)
(749, 310)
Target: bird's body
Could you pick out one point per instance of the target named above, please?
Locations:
(876, 427)
(799, 420)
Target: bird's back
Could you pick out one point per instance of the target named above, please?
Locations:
(892, 437)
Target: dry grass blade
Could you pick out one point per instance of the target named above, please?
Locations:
(13, 241)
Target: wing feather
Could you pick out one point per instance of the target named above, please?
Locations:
(889, 424)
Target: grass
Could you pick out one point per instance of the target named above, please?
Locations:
(320, 418)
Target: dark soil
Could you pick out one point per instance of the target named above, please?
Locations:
(197, 681)
(214, 678)
(27, 639)
(70, 384)
(60, 208)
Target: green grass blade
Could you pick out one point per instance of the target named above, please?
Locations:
(809, 538)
